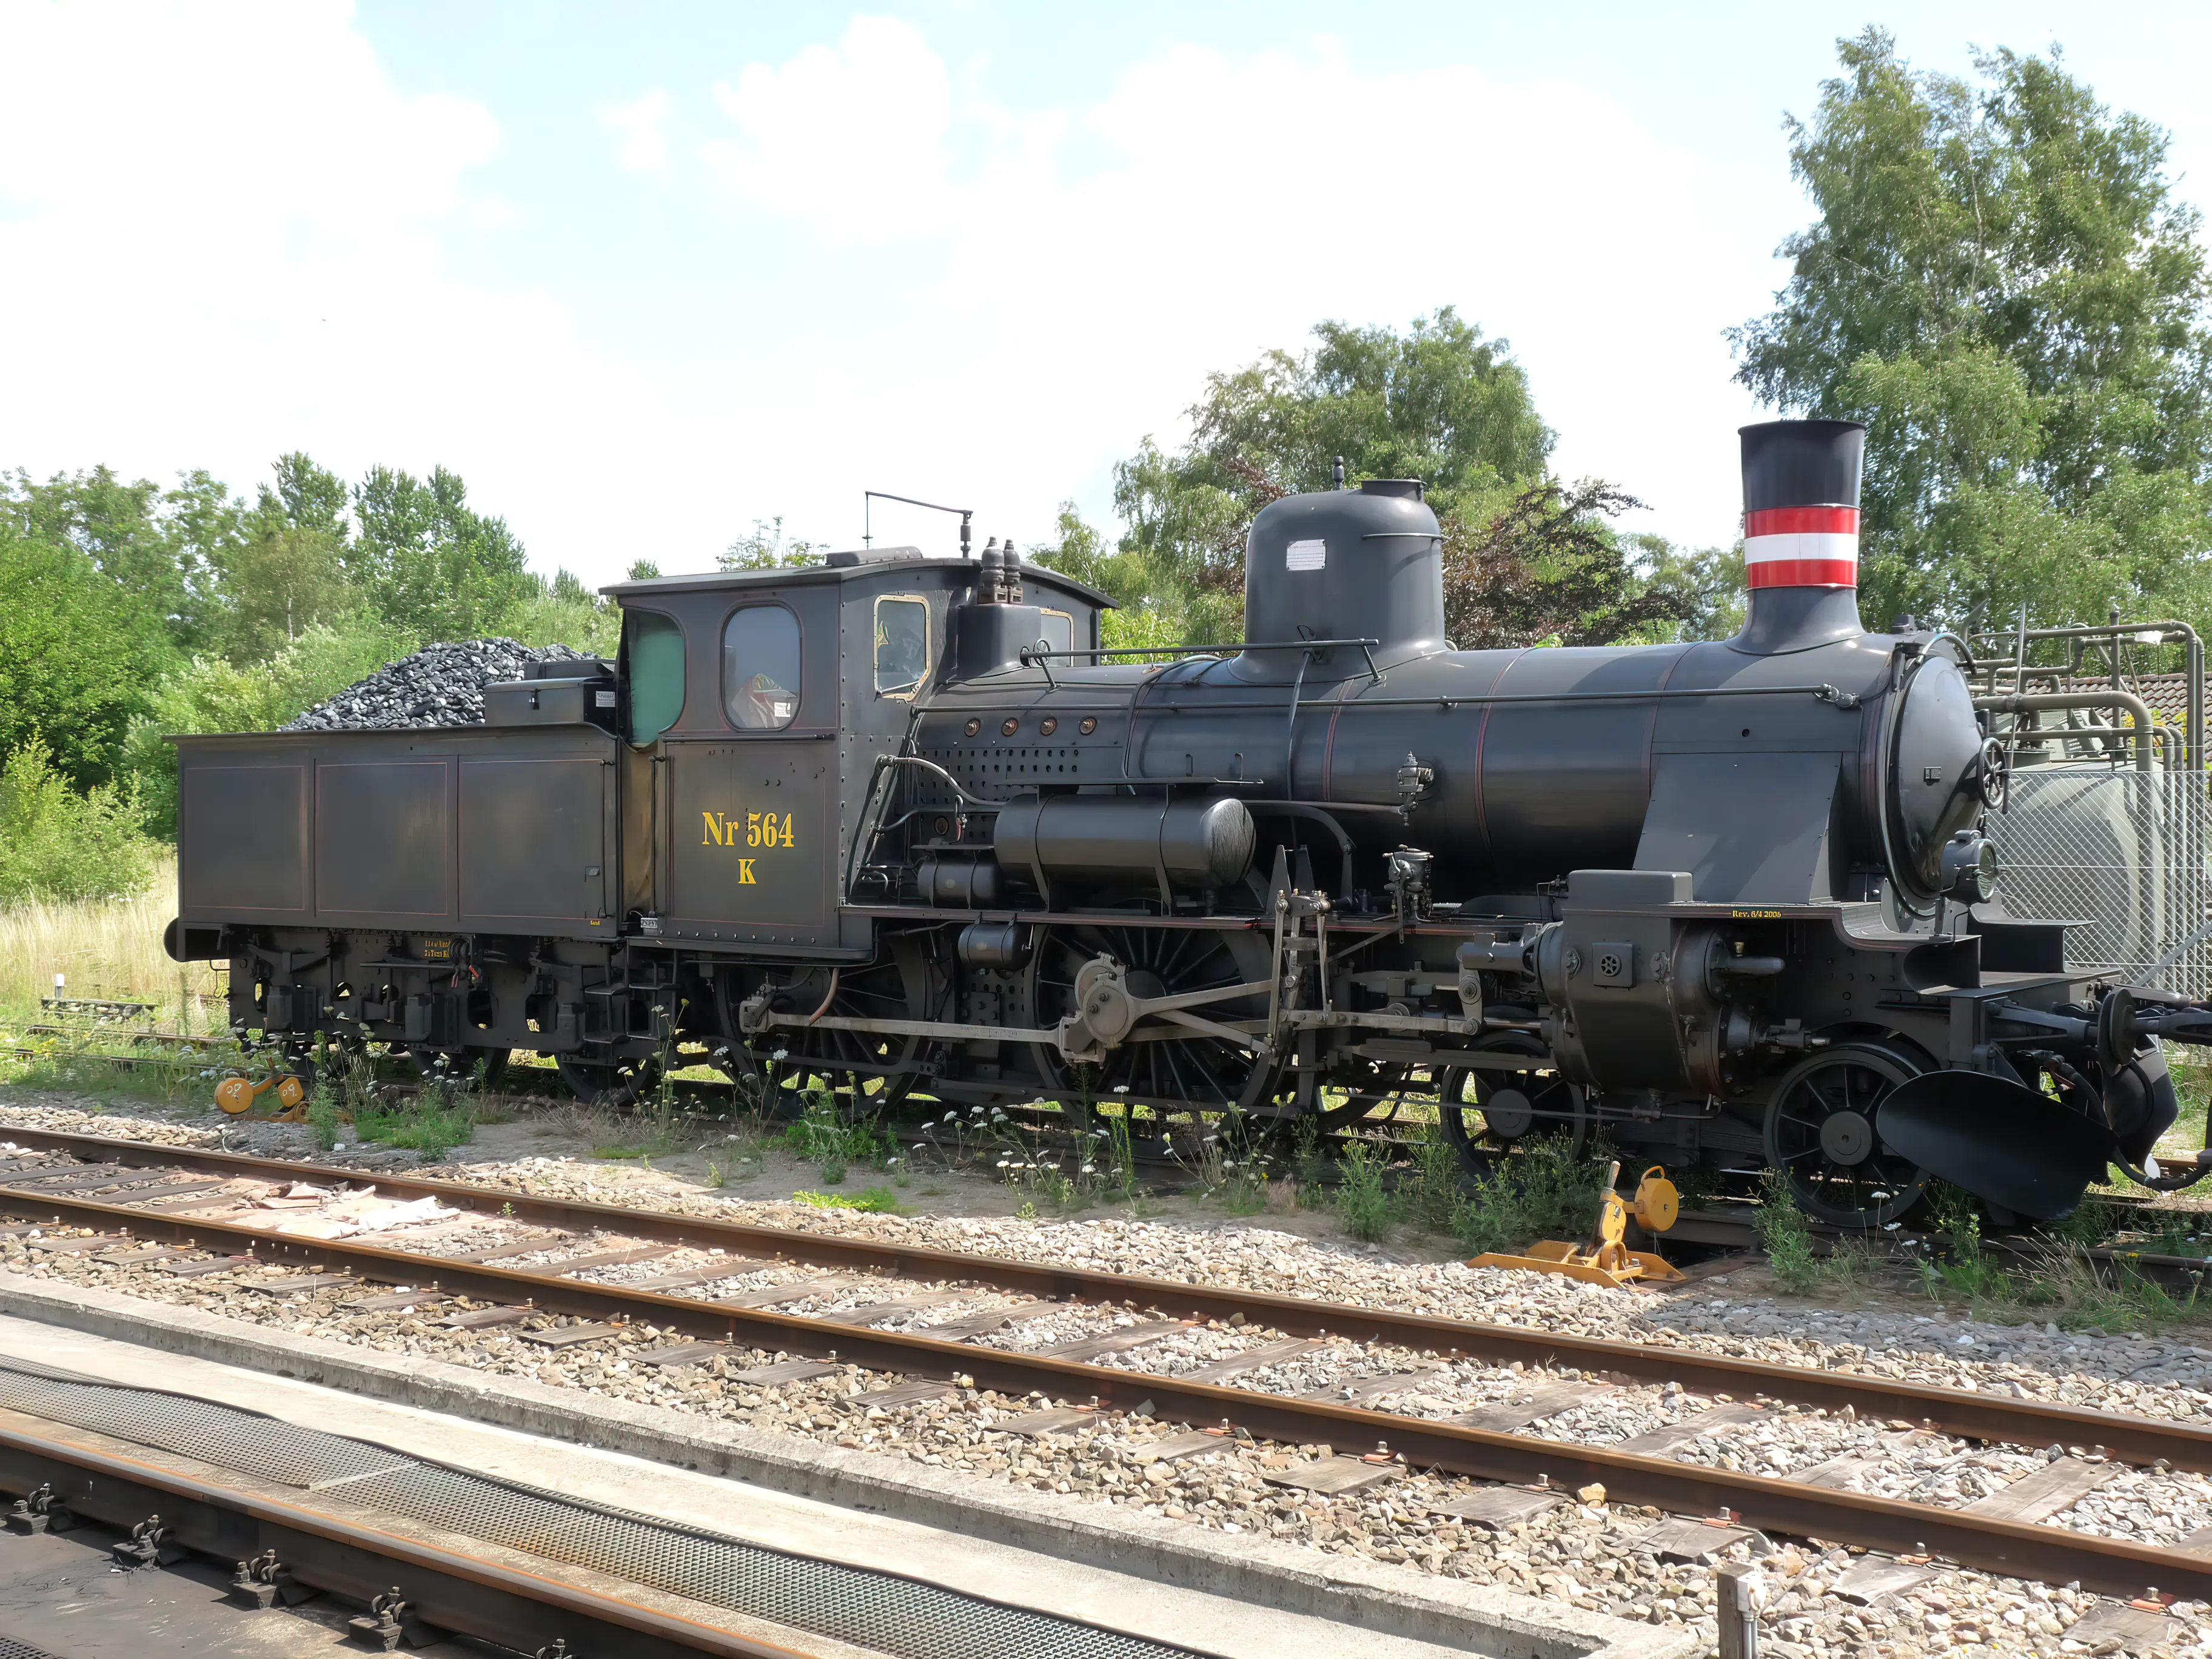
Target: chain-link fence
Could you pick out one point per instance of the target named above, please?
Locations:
(2122, 853)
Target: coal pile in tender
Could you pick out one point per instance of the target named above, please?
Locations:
(438, 685)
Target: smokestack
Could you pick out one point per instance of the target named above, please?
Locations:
(1800, 533)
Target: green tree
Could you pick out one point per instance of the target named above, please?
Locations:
(765, 547)
(2001, 283)
(56, 843)
(1437, 402)
(428, 562)
(1548, 569)
(78, 653)
(165, 550)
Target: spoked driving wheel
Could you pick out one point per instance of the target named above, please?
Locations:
(1369, 1089)
(861, 1074)
(1823, 1135)
(1484, 1112)
(1200, 1072)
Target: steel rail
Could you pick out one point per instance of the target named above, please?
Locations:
(453, 1592)
(1984, 1416)
(2054, 1555)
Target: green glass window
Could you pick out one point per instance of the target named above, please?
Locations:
(759, 668)
(654, 646)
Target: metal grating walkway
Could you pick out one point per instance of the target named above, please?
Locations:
(894, 1615)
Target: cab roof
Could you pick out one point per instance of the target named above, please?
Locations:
(851, 565)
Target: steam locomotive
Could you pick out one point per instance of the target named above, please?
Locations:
(897, 823)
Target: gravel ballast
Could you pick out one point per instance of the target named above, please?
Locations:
(1589, 1553)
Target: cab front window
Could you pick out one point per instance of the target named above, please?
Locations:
(902, 646)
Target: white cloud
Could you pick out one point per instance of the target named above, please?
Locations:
(227, 233)
(1090, 265)
(642, 124)
(849, 140)
(222, 235)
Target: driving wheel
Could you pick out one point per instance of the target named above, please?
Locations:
(1484, 1112)
(1823, 1135)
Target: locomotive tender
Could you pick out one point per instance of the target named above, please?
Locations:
(896, 821)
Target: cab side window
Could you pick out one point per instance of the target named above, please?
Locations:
(902, 646)
(655, 647)
(759, 668)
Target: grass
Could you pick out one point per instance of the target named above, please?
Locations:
(1363, 1204)
(431, 1123)
(1786, 1238)
(1542, 1191)
(870, 1201)
(109, 949)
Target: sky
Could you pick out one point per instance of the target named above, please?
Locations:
(644, 274)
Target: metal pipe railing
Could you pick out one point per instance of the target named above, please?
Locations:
(2122, 701)
(2192, 747)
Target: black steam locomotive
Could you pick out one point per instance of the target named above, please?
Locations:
(897, 822)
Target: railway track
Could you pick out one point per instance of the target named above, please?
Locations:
(1505, 1443)
(163, 1512)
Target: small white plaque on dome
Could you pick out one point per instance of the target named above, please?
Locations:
(1305, 555)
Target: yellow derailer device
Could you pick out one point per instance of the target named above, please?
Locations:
(1606, 1259)
(237, 1095)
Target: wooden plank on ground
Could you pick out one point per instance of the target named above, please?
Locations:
(1877, 1576)
(732, 1267)
(869, 1313)
(477, 1319)
(1332, 1475)
(2198, 1543)
(298, 1282)
(684, 1353)
(1681, 1539)
(219, 1264)
(1195, 1443)
(1657, 1442)
(1252, 1359)
(577, 1264)
(391, 1299)
(153, 1253)
(786, 1370)
(501, 1252)
(571, 1336)
(2058, 1485)
(1133, 1336)
(1053, 1419)
(796, 1289)
(207, 1200)
(1362, 1390)
(1837, 1473)
(1530, 1405)
(2132, 1628)
(1499, 1507)
(904, 1393)
(985, 1320)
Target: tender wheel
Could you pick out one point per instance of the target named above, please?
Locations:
(1824, 1136)
(1482, 1112)
(598, 1077)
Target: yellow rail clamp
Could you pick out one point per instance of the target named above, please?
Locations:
(1606, 1260)
(236, 1095)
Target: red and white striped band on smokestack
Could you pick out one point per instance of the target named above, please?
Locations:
(1801, 547)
